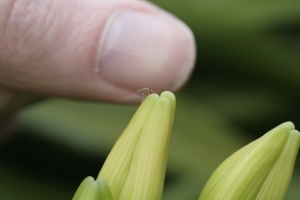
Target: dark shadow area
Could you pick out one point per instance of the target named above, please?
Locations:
(38, 157)
(52, 161)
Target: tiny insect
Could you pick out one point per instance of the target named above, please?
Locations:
(146, 91)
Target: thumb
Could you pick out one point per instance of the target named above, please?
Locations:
(97, 50)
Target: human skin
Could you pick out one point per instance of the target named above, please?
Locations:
(99, 50)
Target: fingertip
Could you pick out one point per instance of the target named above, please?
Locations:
(143, 48)
(95, 50)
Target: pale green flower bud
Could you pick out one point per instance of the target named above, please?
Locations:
(261, 170)
(91, 189)
(135, 168)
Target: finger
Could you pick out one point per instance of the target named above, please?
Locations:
(98, 50)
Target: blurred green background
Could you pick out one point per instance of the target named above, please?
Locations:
(245, 83)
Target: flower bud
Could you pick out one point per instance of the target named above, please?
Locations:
(91, 189)
(261, 170)
(135, 168)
